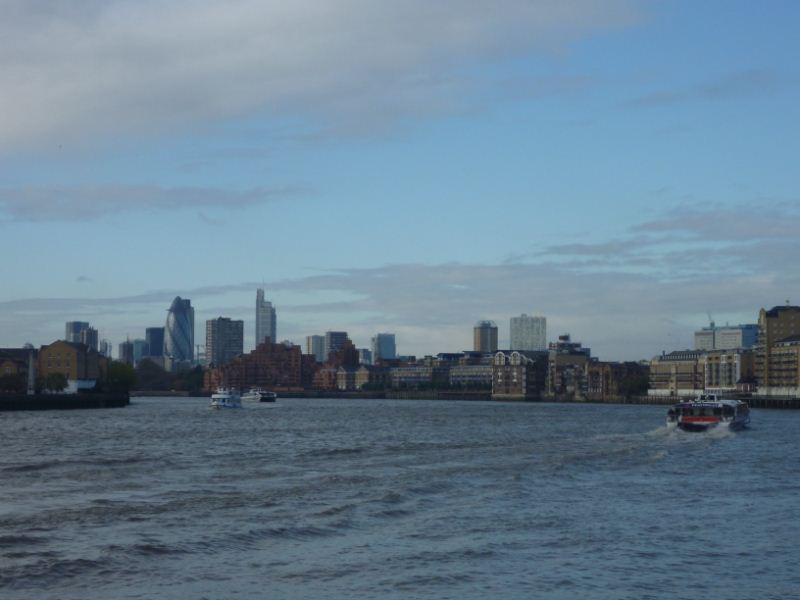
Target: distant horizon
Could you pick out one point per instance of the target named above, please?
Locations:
(503, 341)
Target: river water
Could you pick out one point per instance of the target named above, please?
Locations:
(395, 499)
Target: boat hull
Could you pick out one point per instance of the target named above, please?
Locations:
(695, 426)
(708, 411)
(257, 396)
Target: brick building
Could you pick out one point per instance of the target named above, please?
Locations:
(270, 366)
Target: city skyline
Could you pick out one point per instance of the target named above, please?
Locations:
(622, 166)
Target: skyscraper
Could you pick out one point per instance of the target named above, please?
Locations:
(179, 331)
(155, 340)
(315, 344)
(88, 336)
(126, 352)
(224, 340)
(334, 340)
(140, 349)
(266, 320)
(383, 347)
(73, 331)
(528, 333)
(485, 336)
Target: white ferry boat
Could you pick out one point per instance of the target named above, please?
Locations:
(708, 411)
(259, 395)
(226, 398)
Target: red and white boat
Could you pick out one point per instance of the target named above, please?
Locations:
(708, 411)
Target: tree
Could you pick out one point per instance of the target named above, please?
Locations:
(55, 382)
(13, 383)
(149, 376)
(190, 381)
(121, 377)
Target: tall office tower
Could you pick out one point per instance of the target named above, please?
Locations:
(485, 337)
(383, 347)
(780, 324)
(179, 331)
(126, 353)
(224, 340)
(528, 333)
(364, 356)
(140, 349)
(334, 340)
(73, 331)
(105, 348)
(155, 340)
(315, 344)
(266, 320)
(89, 337)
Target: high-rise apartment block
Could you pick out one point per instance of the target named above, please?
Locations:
(383, 347)
(528, 333)
(777, 364)
(485, 337)
(266, 320)
(224, 340)
(315, 344)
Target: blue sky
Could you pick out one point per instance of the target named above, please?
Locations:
(620, 167)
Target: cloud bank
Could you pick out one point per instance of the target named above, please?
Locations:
(68, 69)
(79, 203)
(599, 294)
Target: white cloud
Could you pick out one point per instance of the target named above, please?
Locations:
(78, 68)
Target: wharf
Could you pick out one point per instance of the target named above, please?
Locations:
(62, 401)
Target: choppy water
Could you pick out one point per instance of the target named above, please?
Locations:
(383, 499)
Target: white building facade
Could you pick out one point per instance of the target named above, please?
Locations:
(528, 333)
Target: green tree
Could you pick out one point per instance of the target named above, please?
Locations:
(149, 376)
(55, 382)
(634, 385)
(121, 377)
(190, 381)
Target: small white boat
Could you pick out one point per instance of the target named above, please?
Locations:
(259, 395)
(708, 411)
(226, 398)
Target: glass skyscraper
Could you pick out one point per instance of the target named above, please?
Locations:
(266, 319)
(179, 331)
(383, 347)
(73, 331)
(155, 340)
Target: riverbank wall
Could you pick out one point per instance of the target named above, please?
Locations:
(62, 401)
(771, 402)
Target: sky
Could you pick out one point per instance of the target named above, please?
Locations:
(625, 168)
